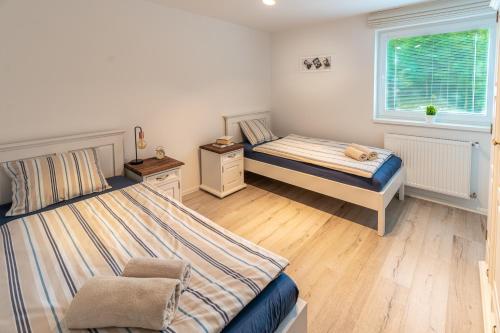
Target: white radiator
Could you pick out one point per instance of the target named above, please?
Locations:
(438, 165)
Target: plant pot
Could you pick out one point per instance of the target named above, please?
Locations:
(429, 119)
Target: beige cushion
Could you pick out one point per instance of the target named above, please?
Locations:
(43, 181)
(256, 131)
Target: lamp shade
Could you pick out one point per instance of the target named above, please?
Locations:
(141, 143)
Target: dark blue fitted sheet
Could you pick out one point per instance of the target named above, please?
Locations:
(263, 314)
(376, 183)
(268, 309)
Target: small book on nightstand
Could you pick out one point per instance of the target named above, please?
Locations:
(224, 140)
(219, 145)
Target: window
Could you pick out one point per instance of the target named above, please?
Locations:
(447, 65)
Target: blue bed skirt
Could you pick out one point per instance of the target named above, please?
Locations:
(376, 183)
(262, 315)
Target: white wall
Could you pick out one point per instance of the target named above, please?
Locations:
(71, 66)
(339, 104)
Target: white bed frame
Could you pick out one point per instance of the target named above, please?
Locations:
(109, 147)
(377, 201)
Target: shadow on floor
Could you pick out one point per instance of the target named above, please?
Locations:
(364, 216)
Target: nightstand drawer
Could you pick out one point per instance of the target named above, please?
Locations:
(232, 174)
(232, 156)
(163, 177)
(171, 189)
(164, 174)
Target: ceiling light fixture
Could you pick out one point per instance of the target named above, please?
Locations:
(269, 2)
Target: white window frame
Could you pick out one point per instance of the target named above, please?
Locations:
(443, 118)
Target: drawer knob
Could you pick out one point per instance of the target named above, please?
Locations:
(162, 178)
(231, 156)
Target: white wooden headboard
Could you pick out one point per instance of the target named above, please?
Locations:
(232, 123)
(109, 147)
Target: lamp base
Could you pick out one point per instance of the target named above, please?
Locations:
(136, 162)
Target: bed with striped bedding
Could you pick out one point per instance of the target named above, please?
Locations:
(323, 152)
(48, 256)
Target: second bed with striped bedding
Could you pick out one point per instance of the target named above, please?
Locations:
(325, 153)
(47, 257)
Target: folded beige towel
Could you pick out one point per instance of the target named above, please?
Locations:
(355, 154)
(159, 268)
(372, 154)
(124, 302)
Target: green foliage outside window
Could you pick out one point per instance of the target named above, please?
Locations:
(446, 70)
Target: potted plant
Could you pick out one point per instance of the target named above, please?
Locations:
(430, 113)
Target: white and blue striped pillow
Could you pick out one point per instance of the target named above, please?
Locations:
(82, 174)
(256, 131)
(42, 181)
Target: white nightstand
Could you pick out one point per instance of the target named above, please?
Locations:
(165, 173)
(222, 171)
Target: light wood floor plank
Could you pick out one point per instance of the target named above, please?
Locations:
(384, 309)
(464, 306)
(421, 277)
(407, 242)
(426, 308)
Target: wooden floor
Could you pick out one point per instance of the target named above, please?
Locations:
(421, 277)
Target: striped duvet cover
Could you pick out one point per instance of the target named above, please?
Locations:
(323, 152)
(47, 257)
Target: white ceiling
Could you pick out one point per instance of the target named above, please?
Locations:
(285, 14)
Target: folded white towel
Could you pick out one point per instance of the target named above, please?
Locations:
(372, 154)
(159, 268)
(355, 154)
(115, 301)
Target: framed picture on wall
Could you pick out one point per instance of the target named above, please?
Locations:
(316, 63)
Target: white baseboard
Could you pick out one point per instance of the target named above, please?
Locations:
(190, 190)
(410, 192)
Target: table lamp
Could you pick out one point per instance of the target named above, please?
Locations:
(139, 144)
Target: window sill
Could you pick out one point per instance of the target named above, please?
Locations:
(448, 126)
